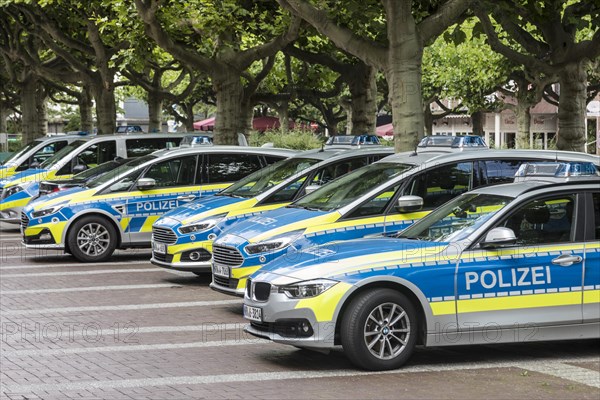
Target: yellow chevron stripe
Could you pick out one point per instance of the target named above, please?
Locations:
(124, 223)
(325, 304)
(147, 226)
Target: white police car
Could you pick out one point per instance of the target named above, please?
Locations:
(508, 263)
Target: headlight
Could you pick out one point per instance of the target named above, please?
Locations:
(276, 243)
(302, 290)
(201, 225)
(46, 211)
(12, 191)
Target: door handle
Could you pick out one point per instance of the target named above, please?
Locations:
(567, 260)
(189, 197)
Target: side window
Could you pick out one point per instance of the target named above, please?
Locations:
(441, 184)
(142, 147)
(596, 200)
(173, 172)
(230, 167)
(544, 221)
(124, 184)
(500, 171)
(97, 154)
(287, 193)
(376, 205)
(334, 171)
(41, 155)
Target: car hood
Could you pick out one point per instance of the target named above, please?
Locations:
(203, 208)
(25, 176)
(71, 195)
(279, 221)
(338, 259)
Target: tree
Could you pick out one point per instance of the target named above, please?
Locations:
(223, 39)
(550, 37)
(395, 47)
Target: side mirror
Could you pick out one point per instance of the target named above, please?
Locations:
(311, 188)
(408, 204)
(498, 237)
(79, 168)
(146, 183)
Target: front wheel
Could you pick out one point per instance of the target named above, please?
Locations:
(92, 239)
(379, 330)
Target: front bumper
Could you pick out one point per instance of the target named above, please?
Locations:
(44, 236)
(235, 284)
(189, 257)
(180, 266)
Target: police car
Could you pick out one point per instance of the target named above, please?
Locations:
(182, 238)
(117, 209)
(77, 156)
(509, 263)
(33, 154)
(361, 203)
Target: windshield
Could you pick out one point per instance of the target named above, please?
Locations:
(59, 155)
(340, 140)
(121, 170)
(99, 170)
(351, 186)
(21, 151)
(261, 180)
(457, 219)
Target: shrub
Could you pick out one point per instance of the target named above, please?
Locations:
(296, 139)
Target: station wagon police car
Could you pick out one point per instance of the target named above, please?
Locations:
(507, 263)
(117, 209)
(182, 238)
(363, 202)
(77, 156)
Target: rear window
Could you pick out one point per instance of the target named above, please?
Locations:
(142, 147)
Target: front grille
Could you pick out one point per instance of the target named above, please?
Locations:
(262, 291)
(24, 220)
(225, 282)
(226, 255)
(164, 235)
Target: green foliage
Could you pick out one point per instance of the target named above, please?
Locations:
(295, 139)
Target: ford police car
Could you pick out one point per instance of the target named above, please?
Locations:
(182, 238)
(507, 263)
(78, 156)
(117, 209)
(361, 203)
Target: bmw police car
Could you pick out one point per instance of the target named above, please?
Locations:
(507, 263)
(182, 238)
(79, 155)
(117, 209)
(363, 202)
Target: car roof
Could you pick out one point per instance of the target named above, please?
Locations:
(343, 152)
(441, 156)
(220, 148)
(519, 188)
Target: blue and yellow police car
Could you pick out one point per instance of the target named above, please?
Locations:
(363, 202)
(117, 209)
(508, 263)
(182, 238)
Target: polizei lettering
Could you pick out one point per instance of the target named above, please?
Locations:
(514, 277)
(159, 205)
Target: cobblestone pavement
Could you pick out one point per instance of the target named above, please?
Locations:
(128, 330)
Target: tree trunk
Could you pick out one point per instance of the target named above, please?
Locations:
(29, 110)
(231, 117)
(572, 107)
(85, 110)
(363, 89)
(523, 114)
(155, 103)
(42, 112)
(478, 121)
(106, 111)
(284, 117)
(4, 113)
(404, 78)
(428, 120)
(189, 117)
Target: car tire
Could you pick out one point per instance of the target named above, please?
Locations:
(92, 239)
(370, 337)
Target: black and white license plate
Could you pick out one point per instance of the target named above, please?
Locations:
(253, 313)
(221, 270)
(159, 248)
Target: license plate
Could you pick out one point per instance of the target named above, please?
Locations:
(221, 270)
(159, 248)
(253, 313)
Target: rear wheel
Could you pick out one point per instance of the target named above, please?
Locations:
(92, 239)
(379, 329)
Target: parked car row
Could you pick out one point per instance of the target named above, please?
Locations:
(354, 249)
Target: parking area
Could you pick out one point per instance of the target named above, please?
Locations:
(128, 330)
